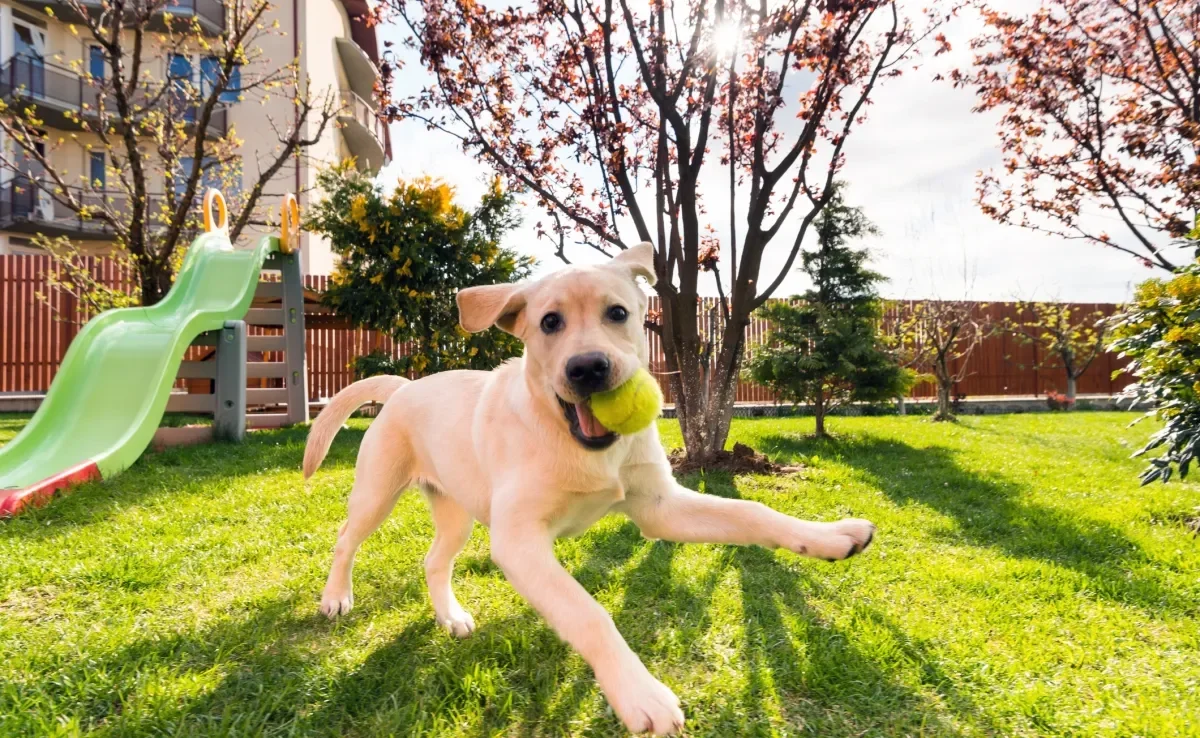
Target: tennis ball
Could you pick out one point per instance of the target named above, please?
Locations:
(630, 407)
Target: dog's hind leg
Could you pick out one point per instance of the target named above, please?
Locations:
(383, 471)
(453, 524)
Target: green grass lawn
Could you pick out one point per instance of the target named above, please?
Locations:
(1021, 584)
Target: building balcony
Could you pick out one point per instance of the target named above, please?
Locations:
(25, 208)
(209, 14)
(363, 131)
(65, 100)
(361, 72)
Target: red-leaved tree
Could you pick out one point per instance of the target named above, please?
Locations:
(623, 119)
(1100, 105)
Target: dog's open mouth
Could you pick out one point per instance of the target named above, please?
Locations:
(585, 427)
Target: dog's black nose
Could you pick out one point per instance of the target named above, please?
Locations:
(588, 372)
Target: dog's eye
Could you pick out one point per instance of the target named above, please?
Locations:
(617, 314)
(551, 322)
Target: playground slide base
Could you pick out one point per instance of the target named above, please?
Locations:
(15, 501)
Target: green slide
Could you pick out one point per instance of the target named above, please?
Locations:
(111, 389)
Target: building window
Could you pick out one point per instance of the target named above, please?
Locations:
(97, 169)
(210, 75)
(179, 71)
(225, 177)
(96, 62)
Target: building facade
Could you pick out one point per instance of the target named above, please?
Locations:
(47, 62)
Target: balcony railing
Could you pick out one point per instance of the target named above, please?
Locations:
(363, 131)
(68, 98)
(362, 112)
(59, 88)
(209, 13)
(24, 207)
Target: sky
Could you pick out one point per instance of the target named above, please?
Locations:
(912, 167)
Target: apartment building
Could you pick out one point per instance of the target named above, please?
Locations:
(46, 61)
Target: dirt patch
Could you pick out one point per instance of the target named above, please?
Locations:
(740, 460)
(29, 604)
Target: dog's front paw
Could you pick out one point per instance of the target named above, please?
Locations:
(336, 601)
(645, 704)
(831, 541)
(849, 537)
(459, 623)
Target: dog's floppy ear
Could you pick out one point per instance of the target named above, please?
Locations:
(479, 308)
(638, 261)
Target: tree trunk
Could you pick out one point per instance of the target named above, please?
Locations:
(819, 413)
(945, 409)
(704, 393)
(901, 408)
(155, 280)
(1071, 391)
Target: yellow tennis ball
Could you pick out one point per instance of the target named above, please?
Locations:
(631, 407)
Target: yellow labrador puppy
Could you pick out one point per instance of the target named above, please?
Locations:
(518, 450)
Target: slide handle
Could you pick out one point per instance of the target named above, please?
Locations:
(289, 231)
(214, 204)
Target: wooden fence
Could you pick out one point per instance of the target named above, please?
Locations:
(35, 333)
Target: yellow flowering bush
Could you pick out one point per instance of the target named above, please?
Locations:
(1160, 333)
(404, 256)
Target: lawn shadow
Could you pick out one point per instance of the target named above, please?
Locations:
(174, 471)
(989, 510)
(822, 682)
(559, 698)
(417, 682)
(248, 695)
(652, 603)
(826, 684)
(831, 678)
(406, 687)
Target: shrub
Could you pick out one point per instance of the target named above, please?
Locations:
(404, 256)
(1160, 333)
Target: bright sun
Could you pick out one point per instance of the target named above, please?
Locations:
(725, 38)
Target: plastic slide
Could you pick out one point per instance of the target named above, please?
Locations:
(111, 389)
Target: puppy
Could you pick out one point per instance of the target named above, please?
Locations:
(518, 450)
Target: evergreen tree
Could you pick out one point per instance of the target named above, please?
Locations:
(824, 347)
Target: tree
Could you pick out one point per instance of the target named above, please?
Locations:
(941, 336)
(164, 138)
(405, 255)
(611, 115)
(1100, 109)
(1063, 335)
(1160, 333)
(824, 347)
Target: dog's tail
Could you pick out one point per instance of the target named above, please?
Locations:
(329, 422)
